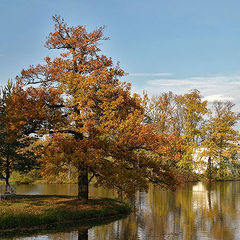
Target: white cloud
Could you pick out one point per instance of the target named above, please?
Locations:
(195, 81)
(173, 82)
(236, 83)
(212, 88)
(217, 97)
(149, 74)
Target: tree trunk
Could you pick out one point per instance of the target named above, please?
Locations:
(69, 172)
(83, 235)
(209, 168)
(120, 194)
(222, 167)
(83, 185)
(7, 172)
(209, 189)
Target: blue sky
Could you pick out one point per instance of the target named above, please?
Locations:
(163, 44)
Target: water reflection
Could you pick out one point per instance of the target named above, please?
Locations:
(78, 235)
(197, 211)
(61, 189)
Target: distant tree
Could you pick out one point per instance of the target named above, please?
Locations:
(94, 121)
(15, 150)
(182, 113)
(221, 139)
(192, 111)
(161, 111)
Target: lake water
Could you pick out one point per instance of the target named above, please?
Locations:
(196, 211)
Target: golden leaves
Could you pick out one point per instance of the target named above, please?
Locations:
(96, 121)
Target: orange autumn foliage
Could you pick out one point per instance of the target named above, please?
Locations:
(16, 150)
(94, 121)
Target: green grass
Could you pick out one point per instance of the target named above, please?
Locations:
(43, 212)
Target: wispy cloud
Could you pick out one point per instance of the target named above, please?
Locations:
(217, 97)
(149, 74)
(198, 81)
(174, 82)
(212, 88)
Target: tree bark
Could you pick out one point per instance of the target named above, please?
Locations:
(209, 168)
(7, 172)
(83, 235)
(83, 185)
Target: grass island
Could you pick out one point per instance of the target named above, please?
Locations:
(25, 213)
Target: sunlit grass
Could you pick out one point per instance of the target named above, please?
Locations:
(26, 211)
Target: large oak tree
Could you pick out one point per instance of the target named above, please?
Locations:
(93, 121)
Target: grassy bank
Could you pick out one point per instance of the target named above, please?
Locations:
(42, 212)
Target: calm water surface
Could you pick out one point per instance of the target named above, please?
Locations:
(197, 211)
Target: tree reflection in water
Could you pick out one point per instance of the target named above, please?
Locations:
(83, 234)
(196, 211)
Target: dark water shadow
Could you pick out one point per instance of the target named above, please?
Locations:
(81, 227)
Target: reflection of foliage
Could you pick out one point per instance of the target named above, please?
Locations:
(189, 213)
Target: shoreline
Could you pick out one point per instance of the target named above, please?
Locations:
(25, 214)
